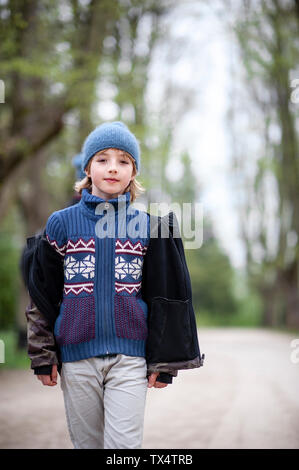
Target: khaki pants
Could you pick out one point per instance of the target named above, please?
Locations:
(105, 401)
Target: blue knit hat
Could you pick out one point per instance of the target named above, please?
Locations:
(111, 135)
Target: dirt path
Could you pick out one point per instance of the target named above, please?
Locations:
(245, 396)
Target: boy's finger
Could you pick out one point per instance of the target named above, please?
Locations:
(54, 373)
(152, 379)
(160, 385)
(46, 379)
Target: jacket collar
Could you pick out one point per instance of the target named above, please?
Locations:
(95, 205)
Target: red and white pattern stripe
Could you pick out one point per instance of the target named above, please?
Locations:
(127, 287)
(60, 249)
(130, 248)
(81, 246)
(78, 288)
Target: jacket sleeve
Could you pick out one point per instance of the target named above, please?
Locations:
(42, 349)
(165, 378)
(162, 377)
(44, 274)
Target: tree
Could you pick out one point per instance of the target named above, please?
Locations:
(52, 57)
(211, 273)
(267, 35)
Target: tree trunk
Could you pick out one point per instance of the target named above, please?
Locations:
(33, 201)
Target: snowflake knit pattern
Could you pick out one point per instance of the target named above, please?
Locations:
(103, 244)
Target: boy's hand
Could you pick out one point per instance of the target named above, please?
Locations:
(152, 381)
(50, 380)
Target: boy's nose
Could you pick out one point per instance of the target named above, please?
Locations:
(112, 169)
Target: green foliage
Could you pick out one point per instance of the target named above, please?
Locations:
(221, 294)
(247, 314)
(9, 279)
(267, 33)
(14, 357)
(212, 276)
(212, 280)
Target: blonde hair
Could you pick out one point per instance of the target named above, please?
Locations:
(135, 188)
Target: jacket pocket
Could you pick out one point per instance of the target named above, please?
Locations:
(169, 335)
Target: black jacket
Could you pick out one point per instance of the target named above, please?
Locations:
(42, 271)
(172, 342)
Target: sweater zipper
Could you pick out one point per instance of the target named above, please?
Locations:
(106, 302)
(107, 294)
(102, 315)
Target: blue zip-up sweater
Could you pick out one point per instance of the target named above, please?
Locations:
(103, 244)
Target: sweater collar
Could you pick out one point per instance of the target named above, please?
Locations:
(89, 202)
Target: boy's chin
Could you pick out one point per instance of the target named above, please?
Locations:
(110, 191)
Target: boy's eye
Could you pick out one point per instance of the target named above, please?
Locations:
(104, 159)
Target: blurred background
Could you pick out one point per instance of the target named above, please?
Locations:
(210, 89)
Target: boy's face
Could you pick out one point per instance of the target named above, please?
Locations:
(111, 171)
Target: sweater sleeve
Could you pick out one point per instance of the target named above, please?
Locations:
(55, 233)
